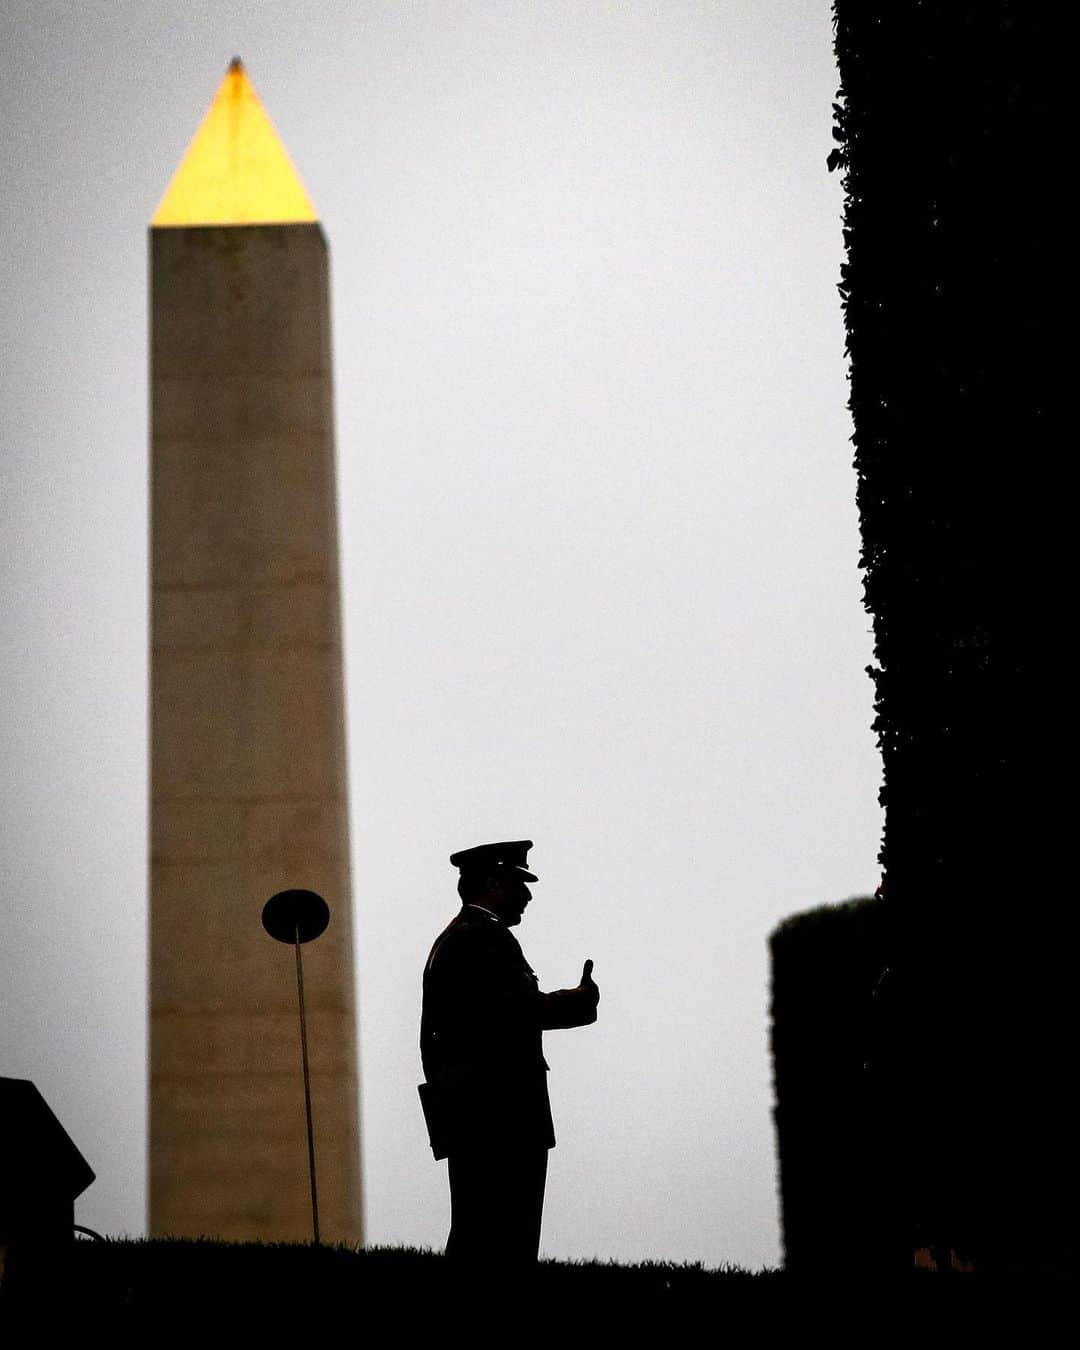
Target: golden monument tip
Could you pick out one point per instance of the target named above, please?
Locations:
(236, 170)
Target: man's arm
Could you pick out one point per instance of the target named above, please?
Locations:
(571, 1007)
(488, 997)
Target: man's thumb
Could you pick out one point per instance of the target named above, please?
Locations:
(586, 973)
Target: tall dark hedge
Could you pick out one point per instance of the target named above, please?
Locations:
(836, 1205)
(954, 308)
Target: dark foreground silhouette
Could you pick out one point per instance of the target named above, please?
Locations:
(42, 1173)
(486, 1099)
(201, 1285)
(954, 324)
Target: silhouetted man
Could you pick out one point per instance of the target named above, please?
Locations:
(486, 1097)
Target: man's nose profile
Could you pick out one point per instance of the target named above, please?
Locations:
(485, 1097)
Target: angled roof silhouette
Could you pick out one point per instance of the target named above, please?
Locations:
(236, 170)
(36, 1153)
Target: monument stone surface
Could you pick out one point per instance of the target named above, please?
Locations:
(248, 768)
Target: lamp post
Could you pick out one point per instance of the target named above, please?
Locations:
(297, 917)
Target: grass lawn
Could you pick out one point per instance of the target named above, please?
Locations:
(394, 1295)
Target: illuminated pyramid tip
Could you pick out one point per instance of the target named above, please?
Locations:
(236, 170)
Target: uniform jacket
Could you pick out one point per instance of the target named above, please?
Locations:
(481, 1034)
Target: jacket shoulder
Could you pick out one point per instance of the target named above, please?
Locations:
(466, 939)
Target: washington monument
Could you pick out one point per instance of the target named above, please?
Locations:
(248, 774)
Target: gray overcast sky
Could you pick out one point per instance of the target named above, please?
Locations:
(599, 549)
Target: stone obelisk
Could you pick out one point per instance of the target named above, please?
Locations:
(248, 774)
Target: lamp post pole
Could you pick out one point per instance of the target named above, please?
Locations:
(307, 1092)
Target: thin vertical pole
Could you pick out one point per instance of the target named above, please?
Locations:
(307, 1092)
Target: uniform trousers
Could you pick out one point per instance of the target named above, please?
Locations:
(496, 1205)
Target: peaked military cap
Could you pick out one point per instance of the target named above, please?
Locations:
(510, 857)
